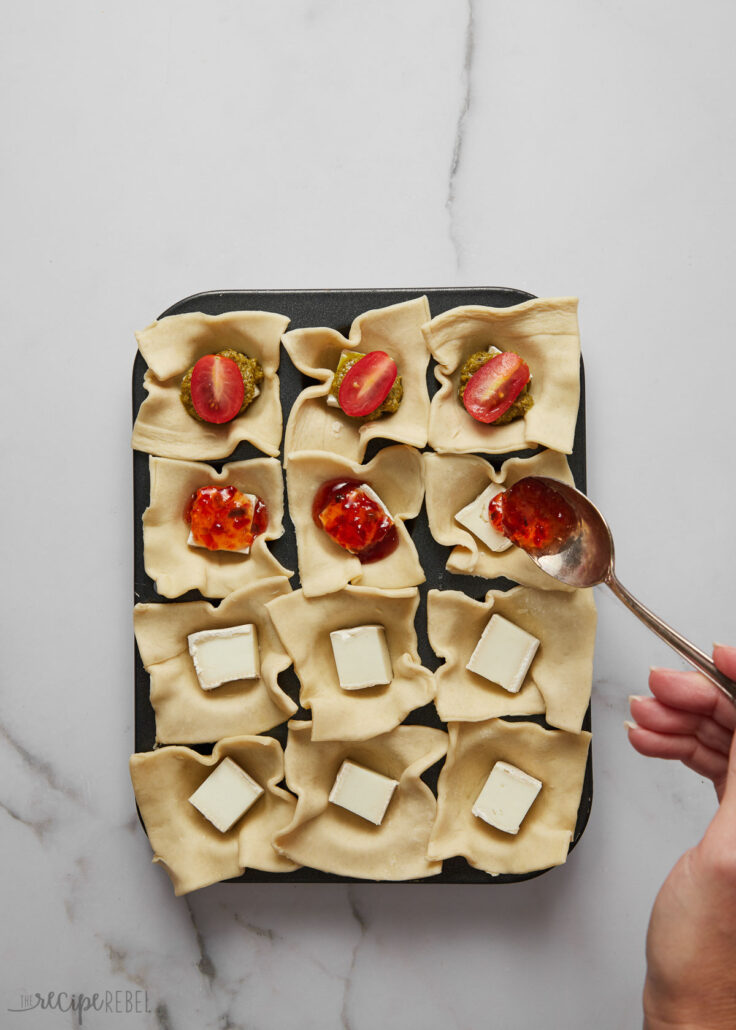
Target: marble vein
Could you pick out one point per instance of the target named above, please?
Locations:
(42, 768)
(162, 1016)
(361, 921)
(118, 958)
(75, 880)
(258, 931)
(37, 826)
(457, 150)
(207, 968)
(205, 965)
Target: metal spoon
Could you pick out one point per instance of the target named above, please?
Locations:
(587, 559)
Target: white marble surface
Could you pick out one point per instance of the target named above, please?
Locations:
(154, 150)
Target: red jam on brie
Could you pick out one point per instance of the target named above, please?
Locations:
(534, 516)
(224, 519)
(354, 516)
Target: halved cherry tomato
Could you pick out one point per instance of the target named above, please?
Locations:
(217, 388)
(495, 386)
(367, 384)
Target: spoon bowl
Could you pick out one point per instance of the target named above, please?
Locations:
(587, 559)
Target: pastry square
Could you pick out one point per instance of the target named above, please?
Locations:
(327, 837)
(192, 851)
(172, 563)
(560, 677)
(187, 714)
(170, 347)
(396, 475)
(545, 334)
(452, 481)
(556, 758)
(314, 425)
(304, 625)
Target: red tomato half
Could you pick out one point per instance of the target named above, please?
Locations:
(367, 384)
(495, 386)
(217, 388)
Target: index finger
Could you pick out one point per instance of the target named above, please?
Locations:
(689, 691)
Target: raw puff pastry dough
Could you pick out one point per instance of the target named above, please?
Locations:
(170, 347)
(315, 426)
(324, 567)
(325, 836)
(454, 480)
(556, 758)
(560, 677)
(187, 714)
(191, 850)
(545, 334)
(304, 625)
(172, 563)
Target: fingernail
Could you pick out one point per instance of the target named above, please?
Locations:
(655, 668)
(723, 645)
(637, 697)
(630, 725)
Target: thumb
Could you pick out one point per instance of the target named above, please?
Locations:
(725, 661)
(724, 658)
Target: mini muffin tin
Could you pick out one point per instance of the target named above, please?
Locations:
(337, 309)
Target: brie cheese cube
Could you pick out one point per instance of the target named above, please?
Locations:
(474, 516)
(503, 654)
(223, 655)
(370, 492)
(507, 796)
(332, 401)
(362, 791)
(226, 795)
(361, 656)
(243, 550)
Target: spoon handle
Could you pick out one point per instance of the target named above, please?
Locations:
(684, 648)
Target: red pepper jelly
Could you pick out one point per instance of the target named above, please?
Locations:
(354, 519)
(534, 516)
(224, 519)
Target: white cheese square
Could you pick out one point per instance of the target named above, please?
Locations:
(223, 655)
(361, 656)
(507, 796)
(362, 791)
(226, 795)
(243, 550)
(503, 654)
(474, 516)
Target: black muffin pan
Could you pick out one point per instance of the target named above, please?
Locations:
(337, 309)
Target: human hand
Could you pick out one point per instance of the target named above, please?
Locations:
(691, 942)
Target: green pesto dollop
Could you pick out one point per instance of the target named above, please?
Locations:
(393, 397)
(250, 370)
(523, 403)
